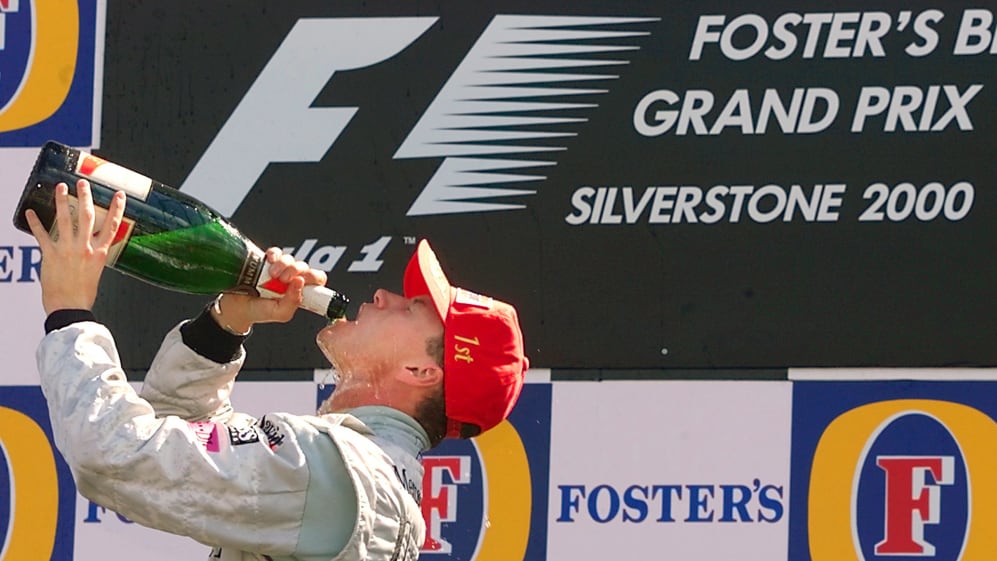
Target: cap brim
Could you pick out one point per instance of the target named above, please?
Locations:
(423, 275)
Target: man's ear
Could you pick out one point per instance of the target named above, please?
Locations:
(426, 375)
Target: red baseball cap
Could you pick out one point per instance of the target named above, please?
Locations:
(483, 360)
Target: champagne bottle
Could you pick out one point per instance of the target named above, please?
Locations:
(167, 238)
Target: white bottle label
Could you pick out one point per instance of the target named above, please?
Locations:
(113, 175)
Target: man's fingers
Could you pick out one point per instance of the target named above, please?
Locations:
(277, 264)
(284, 266)
(288, 304)
(84, 209)
(38, 231)
(315, 276)
(63, 215)
(293, 269)
(112, 221)
(273, 253)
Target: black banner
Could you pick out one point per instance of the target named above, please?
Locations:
(653, 184)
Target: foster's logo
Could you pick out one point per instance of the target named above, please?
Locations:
(894, 470)
(37, 495)
(47, 71)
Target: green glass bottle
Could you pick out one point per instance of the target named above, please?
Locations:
(166, 238)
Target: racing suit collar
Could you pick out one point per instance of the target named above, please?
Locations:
(393, 426)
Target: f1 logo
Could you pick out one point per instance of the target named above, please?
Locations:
(485, 122)
(261, 131)
(439, 500)
(912, 501)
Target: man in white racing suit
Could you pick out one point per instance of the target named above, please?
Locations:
(345, 484)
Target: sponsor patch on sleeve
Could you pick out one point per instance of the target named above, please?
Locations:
(243, 435)
(206, 434)
(273, 432)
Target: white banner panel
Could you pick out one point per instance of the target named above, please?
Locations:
(259, 398)
(20, 296)
(102, 534)
(685, 471)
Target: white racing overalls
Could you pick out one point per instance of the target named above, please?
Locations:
(179, 459)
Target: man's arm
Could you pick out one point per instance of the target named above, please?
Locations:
(194, 370)
(211, 481)
(193, 373)
(244, 487)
